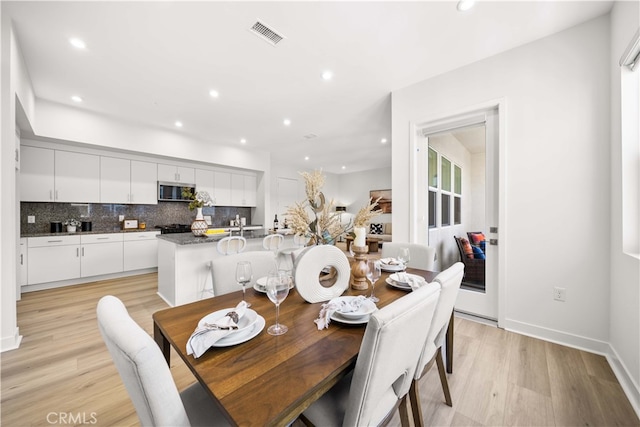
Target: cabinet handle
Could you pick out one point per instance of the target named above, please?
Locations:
(21, 259)
(56, 194)
(102, 238)
(77, 252)
(50, 194)
(83, 251)
(54, 241)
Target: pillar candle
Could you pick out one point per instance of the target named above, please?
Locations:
(361, 235)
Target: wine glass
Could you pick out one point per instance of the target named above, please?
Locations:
(373, 274)
(404, 256)
(277, 290)
(243, 276)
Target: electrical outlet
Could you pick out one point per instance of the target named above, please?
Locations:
(559, 294)
(31, 219)
(120, 218)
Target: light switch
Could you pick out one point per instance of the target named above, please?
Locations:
(31, 219)
(120, 218)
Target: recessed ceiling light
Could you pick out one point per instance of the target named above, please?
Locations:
(243, 141)
(383, 140)
(76, 98)
(214, 93)
(179, 124)
(464, 5)
(327, 75)
(286, 122)
(306, 157)
(77, 43)
(344, 167)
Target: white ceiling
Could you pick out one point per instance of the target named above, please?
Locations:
(155, 63)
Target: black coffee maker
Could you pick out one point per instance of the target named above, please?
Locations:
(85, 226)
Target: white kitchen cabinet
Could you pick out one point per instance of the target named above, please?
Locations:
(22, 264)
(101, 254)
(37, 182)
(53, 258)
(77, 177)
(115, 180)
(222, 188)
(144, 183)
(243, 190)
(177, 174)
(140, 250)
(204, 182)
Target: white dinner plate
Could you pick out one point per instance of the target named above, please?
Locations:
(391, 267)
(245, 324)
(362, 312)
(359, 321)
(399, 285)
(398, 278)
(261, 285)
(234, 339)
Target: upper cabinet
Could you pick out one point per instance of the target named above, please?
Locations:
(177, 174)
(128, 181)
(243, 190)
(144, 183)
(77, 177)
(222, 188)
(37, 175)
(204, 182)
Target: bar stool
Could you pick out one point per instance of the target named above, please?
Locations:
(226, 246)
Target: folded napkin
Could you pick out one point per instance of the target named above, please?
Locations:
(414, 281)
(344, 306)
(391, 261)
(209, 333)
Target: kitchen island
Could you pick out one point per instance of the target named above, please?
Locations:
(183, 264)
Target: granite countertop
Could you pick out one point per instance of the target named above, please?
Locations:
(190, 239)
(83, 233)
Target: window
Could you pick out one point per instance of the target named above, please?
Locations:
(445, 191)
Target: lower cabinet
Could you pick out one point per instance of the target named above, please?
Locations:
(140, 250)
(68, 257)
(101, 254)
(53, 258)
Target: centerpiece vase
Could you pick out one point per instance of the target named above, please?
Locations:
(199, 226)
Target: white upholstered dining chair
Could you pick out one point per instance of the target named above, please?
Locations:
(272, 242)
(147, 377)
(386, 364)
(422, 256)
(449, 281)
(223, 269)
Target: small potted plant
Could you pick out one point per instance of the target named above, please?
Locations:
(71, 225)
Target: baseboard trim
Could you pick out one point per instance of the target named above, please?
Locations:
(83, 280)
(630, 387)
(12, 342)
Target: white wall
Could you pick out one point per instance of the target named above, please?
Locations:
(624, 321)
(17, 92)
(556, 94)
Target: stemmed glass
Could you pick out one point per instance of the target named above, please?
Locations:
(243, 276)
(404, 256)
(277, 290)
(373, 274)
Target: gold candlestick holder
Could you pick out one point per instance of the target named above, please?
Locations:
(359, 268)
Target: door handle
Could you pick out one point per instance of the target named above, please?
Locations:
(493, 242)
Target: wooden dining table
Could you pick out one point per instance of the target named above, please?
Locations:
(269, 380)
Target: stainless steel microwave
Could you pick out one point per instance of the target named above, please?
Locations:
(172, 191)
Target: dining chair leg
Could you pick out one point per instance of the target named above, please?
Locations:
(404, 412)
(416, 408)
(443, 377)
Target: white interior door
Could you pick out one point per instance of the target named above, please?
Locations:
(441, 143)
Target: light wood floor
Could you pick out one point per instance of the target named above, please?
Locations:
(500, 378)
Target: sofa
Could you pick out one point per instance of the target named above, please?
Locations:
(380, 231)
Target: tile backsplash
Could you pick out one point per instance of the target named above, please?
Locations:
(104, 217)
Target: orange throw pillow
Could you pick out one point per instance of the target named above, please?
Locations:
(466, 247)
(477, 238)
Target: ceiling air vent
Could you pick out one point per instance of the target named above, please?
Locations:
(266, 33)
(310, 136)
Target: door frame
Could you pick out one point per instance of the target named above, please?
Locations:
(450, 120)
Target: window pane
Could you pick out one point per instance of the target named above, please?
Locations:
(446, 209)
(432, 209)
(457, 179)
(446, 174)
(433, 168)
(457, 210)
